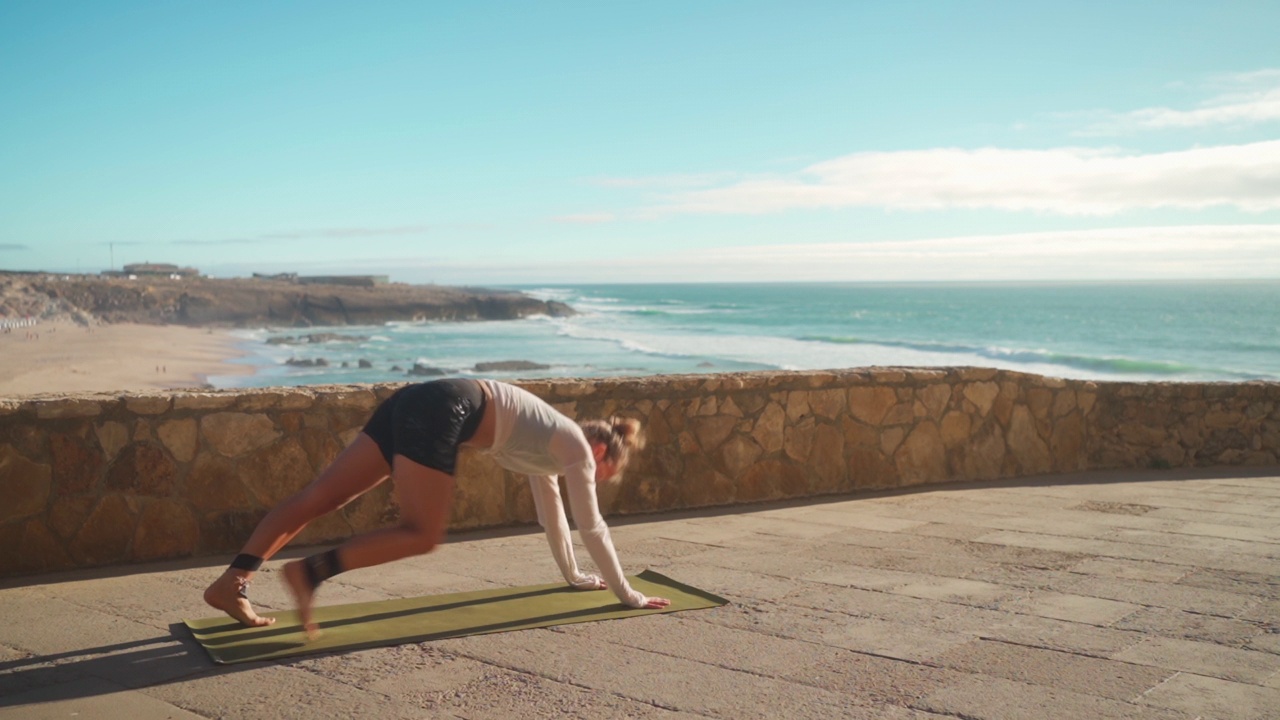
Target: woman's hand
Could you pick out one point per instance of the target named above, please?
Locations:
(589, 582)
(655, 603)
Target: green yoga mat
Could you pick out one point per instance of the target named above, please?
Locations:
(393, 622)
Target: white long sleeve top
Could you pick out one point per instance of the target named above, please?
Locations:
(535, 439)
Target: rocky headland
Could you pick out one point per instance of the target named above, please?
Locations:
(257, 302)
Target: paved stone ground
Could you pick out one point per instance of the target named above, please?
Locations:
(1135, 595)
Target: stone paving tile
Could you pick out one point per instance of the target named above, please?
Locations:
(80, 630)
(1245, 666)
(989, 698)
(952, 590)
(1191, 626)
(950, 531)
(861, 520)
(1132, 569)
(1193, 542)
(1062, 635)
(1243, 583)
(729, 583)
(90, 698)
(872, 679)
(1076, 608)
(1217, 518)
(1265, 611)
(1050, 668)
(1119, 550)
(1207, 697)
(955, 566)
(1266, 642)
(275, 691)
(651, 678)
(1177, 597)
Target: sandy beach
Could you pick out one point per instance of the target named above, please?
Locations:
(69, 358)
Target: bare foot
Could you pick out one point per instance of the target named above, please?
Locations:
(296, 581)
(224, 595)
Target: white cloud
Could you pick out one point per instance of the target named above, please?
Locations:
(1200, 252)
(1206, 251)
(1245, 99)
(1068, 181)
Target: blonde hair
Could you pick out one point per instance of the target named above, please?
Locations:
(619, 435)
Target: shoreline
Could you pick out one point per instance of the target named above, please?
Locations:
(63, 357)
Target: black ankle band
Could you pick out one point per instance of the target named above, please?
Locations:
(246, 562)
(322, 566)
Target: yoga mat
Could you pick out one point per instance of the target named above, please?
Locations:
(408, 620)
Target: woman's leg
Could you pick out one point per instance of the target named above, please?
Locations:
(425, 496)
(357, 469)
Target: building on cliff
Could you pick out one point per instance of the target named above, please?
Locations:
(149, 269)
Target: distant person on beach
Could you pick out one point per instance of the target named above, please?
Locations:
(414, 437)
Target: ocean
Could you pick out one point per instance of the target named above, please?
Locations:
(1169, 331)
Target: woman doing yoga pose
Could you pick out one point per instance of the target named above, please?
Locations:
(413, 438)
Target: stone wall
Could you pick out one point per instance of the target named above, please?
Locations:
(100, 480)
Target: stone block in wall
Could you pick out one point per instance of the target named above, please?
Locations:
(330, 528)
(68, 513)
(1025, 444)
(798, 440)
(26, 487)
(29, 439)
(890, 439)
(769, 429)
(275, 472)
(934, 398)
(700, 485)
(203, 401)
(77, 467)
(857, 434)
(955, 429)
(112, 436)
(479, 496)
(829, 403)
(226, 532)
(871, 403)
(213, 485)
(148, 404)
(739, 453)
(1067, 443)
(869, 469)
(982, 395)
(179, 436)
(105, 536)
(712, 431)
(320, 446)
(826, 458)
(983, 457)
(166, 529)
(922, 458)
(233, 434)
(372, 510)
(797, 405)
(1064, 402)
(40, 551)
(1039, 402)
(67, 408)
(772, 479)
(142, 468)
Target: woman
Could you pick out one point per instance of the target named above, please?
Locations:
(414, 437)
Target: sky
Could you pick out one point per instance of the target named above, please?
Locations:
(509, 143)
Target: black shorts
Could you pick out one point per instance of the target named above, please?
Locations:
(428, 421)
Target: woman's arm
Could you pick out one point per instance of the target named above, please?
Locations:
(546, 500)
(581, 484)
